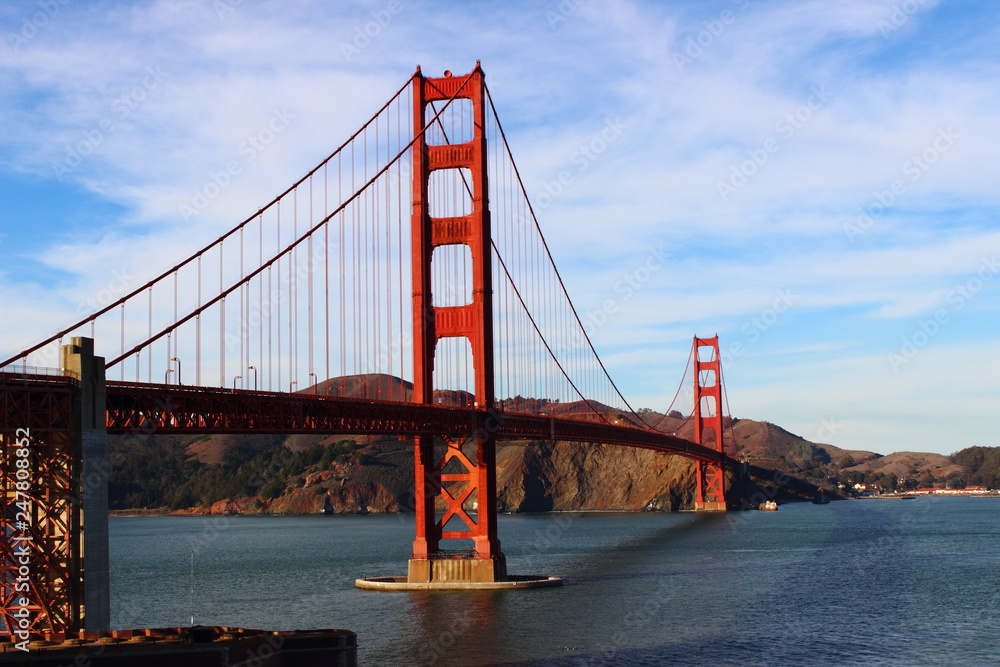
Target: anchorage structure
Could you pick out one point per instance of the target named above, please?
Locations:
(711, 486)
(53, 499)
(453, 480)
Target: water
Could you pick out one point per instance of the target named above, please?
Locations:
(914, 582)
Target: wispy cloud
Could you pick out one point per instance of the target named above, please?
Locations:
(160, 96)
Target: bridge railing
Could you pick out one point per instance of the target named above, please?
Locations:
(23, 373)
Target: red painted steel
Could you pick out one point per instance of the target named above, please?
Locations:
(43, 403)
(710, 490)
(454, 447)
(473, 322)
(41, 553)
(173, 409)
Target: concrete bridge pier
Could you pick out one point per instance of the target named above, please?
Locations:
(89, 439)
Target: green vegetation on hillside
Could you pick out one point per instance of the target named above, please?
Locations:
(982, 465)
(159, 472)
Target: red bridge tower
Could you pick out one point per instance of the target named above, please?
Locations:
(710, 493)
(453, 478)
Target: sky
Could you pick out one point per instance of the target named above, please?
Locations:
(812, 181)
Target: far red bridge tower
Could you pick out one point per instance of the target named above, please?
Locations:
(710, 492)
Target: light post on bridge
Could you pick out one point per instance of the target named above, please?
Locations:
(166, 376)
(254, 369)
(238, 377)
(315, 382)
(292, 384)
(178, 369)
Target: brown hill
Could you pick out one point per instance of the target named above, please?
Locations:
(911, 464)
(532, 476)
(771, 446)
(374, 473)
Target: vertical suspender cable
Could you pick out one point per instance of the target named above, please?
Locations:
(241, 329)
(326, 276)
(222, 324)
(277, 280)
(309, 268)
(293, 306)
(343, 289)
(122, 369)
(260, 300)
(149, 354)
(197, 335)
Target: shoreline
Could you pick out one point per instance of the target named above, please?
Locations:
(911, 495)
(194, 512)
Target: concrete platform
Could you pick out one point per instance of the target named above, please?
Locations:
(211, 646)
(402, 584)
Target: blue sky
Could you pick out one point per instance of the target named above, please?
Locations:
(819, 175)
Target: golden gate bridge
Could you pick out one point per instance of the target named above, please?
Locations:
(412, 250)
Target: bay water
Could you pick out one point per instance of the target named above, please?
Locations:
(865, 582)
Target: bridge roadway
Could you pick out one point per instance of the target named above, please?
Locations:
(172, 409)
(139, 407)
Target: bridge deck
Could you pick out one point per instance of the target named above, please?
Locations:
(172, 409)
(186, 409)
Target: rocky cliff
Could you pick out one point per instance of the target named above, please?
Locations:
(307, 474)
(532, 476)
(546, 476)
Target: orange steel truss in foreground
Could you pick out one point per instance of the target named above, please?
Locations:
(41, 560)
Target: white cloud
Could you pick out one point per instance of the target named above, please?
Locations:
(685, 129)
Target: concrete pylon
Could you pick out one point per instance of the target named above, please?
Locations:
(89, 436)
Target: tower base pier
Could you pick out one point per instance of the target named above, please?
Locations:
(457, 569)
(710, 506)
